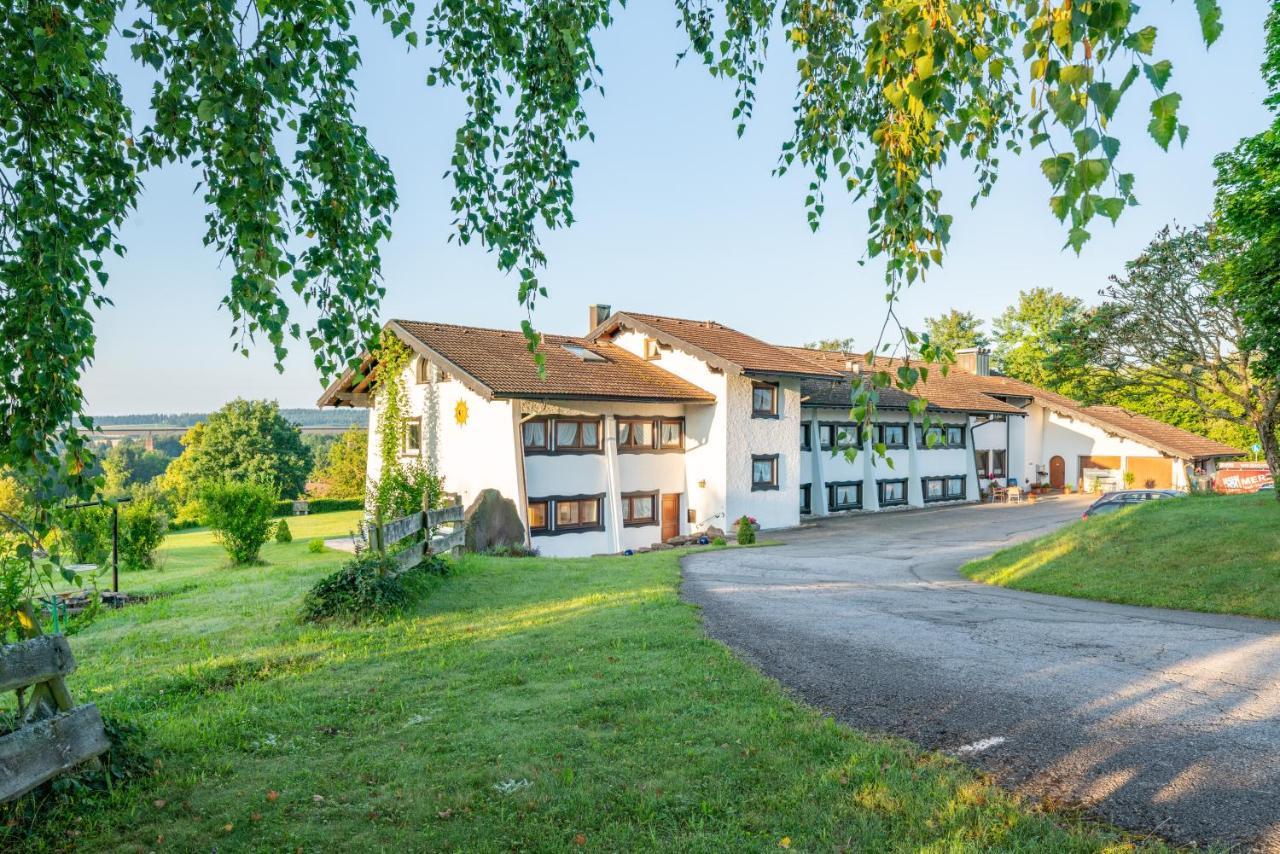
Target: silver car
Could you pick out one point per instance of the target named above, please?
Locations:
(1113, 501)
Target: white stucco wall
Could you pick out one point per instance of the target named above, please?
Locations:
(588, 474)
(471, 456)
(835, 466)
(1033, 444)
(748, 436)
(910, 464)
(1016, 463)
(946, 462)
(1072, 438)
(996, 436)
(706, 433)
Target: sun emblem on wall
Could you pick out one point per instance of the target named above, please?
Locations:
(460, 412)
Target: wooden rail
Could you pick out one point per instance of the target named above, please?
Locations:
(420, 527)
(453, 516)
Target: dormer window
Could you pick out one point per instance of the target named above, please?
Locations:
(583, 353)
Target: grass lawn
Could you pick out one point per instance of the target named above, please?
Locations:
(529, 704)
(1216, 553)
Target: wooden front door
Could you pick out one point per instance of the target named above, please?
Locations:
(1057, 472)
(670, 516)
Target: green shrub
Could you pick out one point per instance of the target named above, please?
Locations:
(321, 505)
(316, 546)
(368, 586)
(746, 531)
(283, 534)
(143, 524)
(332, 505)
(719, 541)
(240, 516)
(189, 515)
(406, 489)
(86, 534)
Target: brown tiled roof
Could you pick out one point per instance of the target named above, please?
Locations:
(1114, 419)
(1164, 436)
(942, 393)
(496, 363)
(718, 345)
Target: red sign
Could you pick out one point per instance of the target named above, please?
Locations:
(1241, 477)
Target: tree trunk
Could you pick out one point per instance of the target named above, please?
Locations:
(1270, 446)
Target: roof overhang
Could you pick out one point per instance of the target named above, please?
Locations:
(621, 319)
(586, 398)
(347, 390)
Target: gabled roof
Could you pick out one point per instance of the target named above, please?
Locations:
(495, 363)
(717, 345)
(941, 392)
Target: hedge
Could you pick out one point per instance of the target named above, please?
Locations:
(321, 505)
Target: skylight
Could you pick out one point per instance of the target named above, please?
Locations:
(583, 353)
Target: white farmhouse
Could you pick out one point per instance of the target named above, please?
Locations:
(654, 427)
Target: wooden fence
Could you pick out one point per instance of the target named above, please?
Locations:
(454, 517)
(54, 734)
(419, 526)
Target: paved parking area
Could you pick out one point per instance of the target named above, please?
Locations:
(1161, 721)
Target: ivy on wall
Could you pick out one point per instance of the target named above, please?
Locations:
(392, 402)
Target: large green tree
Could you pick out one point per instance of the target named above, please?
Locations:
(1166, 342)
(259, 97)
(246, 440)
(129, 463)
(345, 469)
(1035, 337)
(1247, 209)
(956, 330)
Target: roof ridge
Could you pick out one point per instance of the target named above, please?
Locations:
(546, 336)
(703, 323)
(770, 358)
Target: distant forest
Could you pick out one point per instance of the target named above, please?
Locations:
(302, 417)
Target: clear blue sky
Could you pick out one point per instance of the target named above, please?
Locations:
(675, 215)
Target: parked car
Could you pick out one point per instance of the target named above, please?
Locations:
(1113, 501)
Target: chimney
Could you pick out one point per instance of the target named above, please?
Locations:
(598, 315)
(974, 360)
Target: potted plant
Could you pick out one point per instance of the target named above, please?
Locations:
(1129, 478)
(747, 527)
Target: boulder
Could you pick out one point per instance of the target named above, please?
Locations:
(713, 532)
(493, 521)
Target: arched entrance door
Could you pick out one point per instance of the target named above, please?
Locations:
(1057, 472)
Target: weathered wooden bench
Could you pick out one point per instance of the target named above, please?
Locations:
(54, 735)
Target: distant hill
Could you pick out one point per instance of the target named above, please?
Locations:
(302, 417)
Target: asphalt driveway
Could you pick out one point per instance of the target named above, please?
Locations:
(1161, 721)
